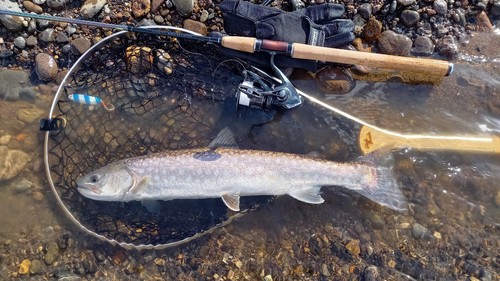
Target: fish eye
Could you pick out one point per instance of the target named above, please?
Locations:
(94, 178)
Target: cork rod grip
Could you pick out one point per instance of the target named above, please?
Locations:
(428, 66)
(239, 43)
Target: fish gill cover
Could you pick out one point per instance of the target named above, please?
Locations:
(162, 97)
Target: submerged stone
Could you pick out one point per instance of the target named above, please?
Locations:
(334, 80)
(12, 162)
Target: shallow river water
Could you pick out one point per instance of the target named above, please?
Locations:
(449, 233)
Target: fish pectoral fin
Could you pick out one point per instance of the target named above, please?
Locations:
(225, 138)
(309, 195)
(232, 201)
(140, 185)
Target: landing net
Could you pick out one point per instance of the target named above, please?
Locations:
(157, 94)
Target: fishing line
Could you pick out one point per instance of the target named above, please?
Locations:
(195, 53)
(231, 60)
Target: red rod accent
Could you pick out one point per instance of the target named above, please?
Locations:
(277, 46)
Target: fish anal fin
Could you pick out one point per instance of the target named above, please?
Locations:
(152, 206)
(232, 201)
(309, 195)
(140, 185)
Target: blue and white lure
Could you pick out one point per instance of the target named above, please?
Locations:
(90, 100)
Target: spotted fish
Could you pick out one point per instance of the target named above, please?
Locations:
(230, 173)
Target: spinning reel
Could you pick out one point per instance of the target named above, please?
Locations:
(261, 91)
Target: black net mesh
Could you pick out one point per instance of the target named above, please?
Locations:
(166, 95)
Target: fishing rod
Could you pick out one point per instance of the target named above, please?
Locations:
(294, 50)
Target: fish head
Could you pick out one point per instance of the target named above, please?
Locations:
(109, 183)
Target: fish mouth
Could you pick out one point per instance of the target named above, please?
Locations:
(89, 189)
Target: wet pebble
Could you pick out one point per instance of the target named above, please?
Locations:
(324, 270)
(372, 30)
(12, 162)
(36, 266)
(204, 16)
(440, 6)
(410, 18)
(418, 231)
(22, 186)
(38, 196)
(89, 263)
(183, 7)
(91, 8)
(159, 19)
(32, 7)
(45, 66)
(448, 48)
(195, 26)
(30, 115)
(20, 42)
(5, 139)
(52, 253)
(353, 247)
(80, 45)
(483, 22)
(140, 8)
(61, 37)
(392, 43)
(47, 36)
(31, 41)
(58, 4)
(365, 10)
(203, 251)
(375, 220)
(406, 2)
(371, 273)
(155, 4)
(423, 46)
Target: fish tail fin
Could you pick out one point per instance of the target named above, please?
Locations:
(381, 186)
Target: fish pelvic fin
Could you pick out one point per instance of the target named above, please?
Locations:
(310, 194)
(381, 186)
(232, 201)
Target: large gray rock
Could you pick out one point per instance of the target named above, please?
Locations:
(12, 162)
(91, 7)
(46, 67)
(392, 43)
(11, 22)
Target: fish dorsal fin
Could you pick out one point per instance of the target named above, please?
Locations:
(140, 185)
(232, 201)
(309, 195)
(225, 138)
